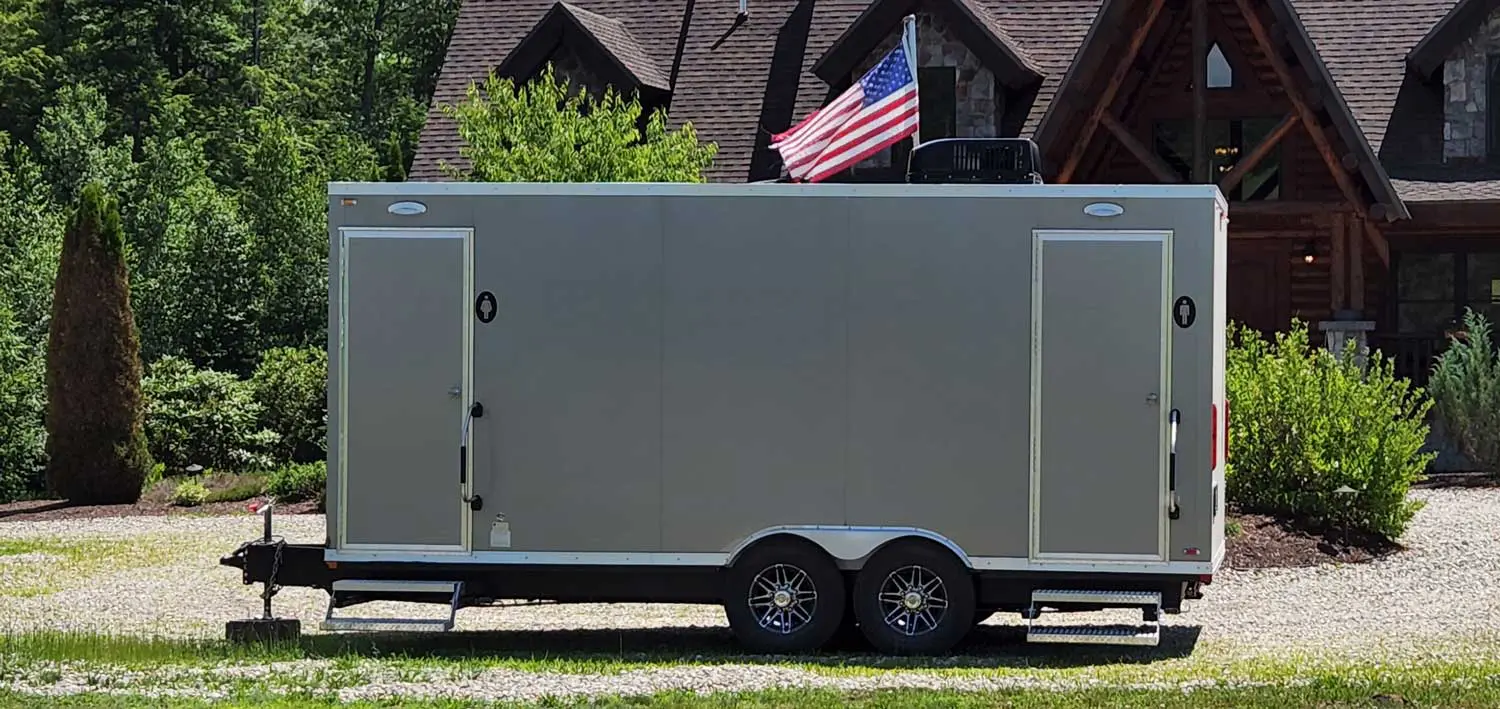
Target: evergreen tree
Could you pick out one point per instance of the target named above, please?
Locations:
(96, 446)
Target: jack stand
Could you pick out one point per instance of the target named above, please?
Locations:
(267, 628)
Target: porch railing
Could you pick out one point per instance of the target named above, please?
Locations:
(1412, 354)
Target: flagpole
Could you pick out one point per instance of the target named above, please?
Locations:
(909, 47)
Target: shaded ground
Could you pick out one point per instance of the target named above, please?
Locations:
(229, 495)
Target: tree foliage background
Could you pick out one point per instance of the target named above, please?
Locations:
(215, 125)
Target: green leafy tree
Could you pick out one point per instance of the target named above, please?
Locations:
(75, 146)
(96, 445)
(546, 132)
(285, 205)
(28, 74)
(22, 403)
(30, 240)
(199, 290)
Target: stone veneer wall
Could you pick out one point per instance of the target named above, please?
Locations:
(975, 90)
(1466, 89)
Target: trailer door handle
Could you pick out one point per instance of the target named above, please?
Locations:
(476, 503)
(1172, 511)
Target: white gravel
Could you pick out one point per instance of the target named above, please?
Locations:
(1438, 594)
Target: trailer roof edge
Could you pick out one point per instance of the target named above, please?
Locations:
(644, 189)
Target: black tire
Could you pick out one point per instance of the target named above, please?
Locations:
(804, 627)
(923, 631)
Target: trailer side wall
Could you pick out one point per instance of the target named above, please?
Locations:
(673, 372)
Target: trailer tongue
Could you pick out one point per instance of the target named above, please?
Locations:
(897, 407)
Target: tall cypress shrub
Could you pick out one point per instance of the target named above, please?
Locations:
(96, 445)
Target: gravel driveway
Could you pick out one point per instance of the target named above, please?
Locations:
(1441, 592)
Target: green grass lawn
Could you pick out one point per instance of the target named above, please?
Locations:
(1327, 694)
(134, 672)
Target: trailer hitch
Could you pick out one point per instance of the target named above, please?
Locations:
(1172, 510)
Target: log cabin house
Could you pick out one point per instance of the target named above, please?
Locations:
(1355, 139)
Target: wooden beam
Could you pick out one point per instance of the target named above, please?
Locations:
(1122, 68)
(1154, 163)
(1377, 240)
(1294, 94)
(1257, 153)
(1135, 88)
(1356, 264)
(1280, 208)
(1339, 262)
(1199, 59)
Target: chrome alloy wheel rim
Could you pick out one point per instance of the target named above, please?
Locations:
(783, 599)
(913, 600)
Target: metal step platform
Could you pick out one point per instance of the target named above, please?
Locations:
(362, 590)
(1148, 633)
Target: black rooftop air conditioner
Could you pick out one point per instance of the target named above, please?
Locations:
(975, 160)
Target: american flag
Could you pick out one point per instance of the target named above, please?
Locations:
(879, 110)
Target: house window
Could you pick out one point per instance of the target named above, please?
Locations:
(1492, 115)
(938, 109)
(1220, 74)
(1434, 288)
(1228, 139)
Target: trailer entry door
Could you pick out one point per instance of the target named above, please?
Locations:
(403, 380)
(1100, 309)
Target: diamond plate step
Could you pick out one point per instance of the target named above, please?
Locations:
(1095, 635)
(453, 590)
(1100, 598)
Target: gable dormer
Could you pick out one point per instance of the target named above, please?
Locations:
(590, 51)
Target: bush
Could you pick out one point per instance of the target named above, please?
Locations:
(291, 387)
(189, 493)
(1306, 422)
(22, 407)
(298, 482)
(234, 488)
(203, 417)
(1465, 388)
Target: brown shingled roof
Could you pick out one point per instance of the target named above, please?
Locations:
(739, 80)
(618, 41)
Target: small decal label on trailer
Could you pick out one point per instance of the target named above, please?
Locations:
(1184, 312)
(484, 307)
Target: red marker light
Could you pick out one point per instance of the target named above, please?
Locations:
(1213, 454)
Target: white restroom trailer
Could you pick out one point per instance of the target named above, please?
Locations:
(899, 408)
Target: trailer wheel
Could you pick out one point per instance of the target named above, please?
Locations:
(785, 596)
(914, 599)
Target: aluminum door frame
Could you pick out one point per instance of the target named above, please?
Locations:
(462, 309)
(1039, 238)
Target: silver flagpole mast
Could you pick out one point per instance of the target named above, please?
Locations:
(909, 46)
